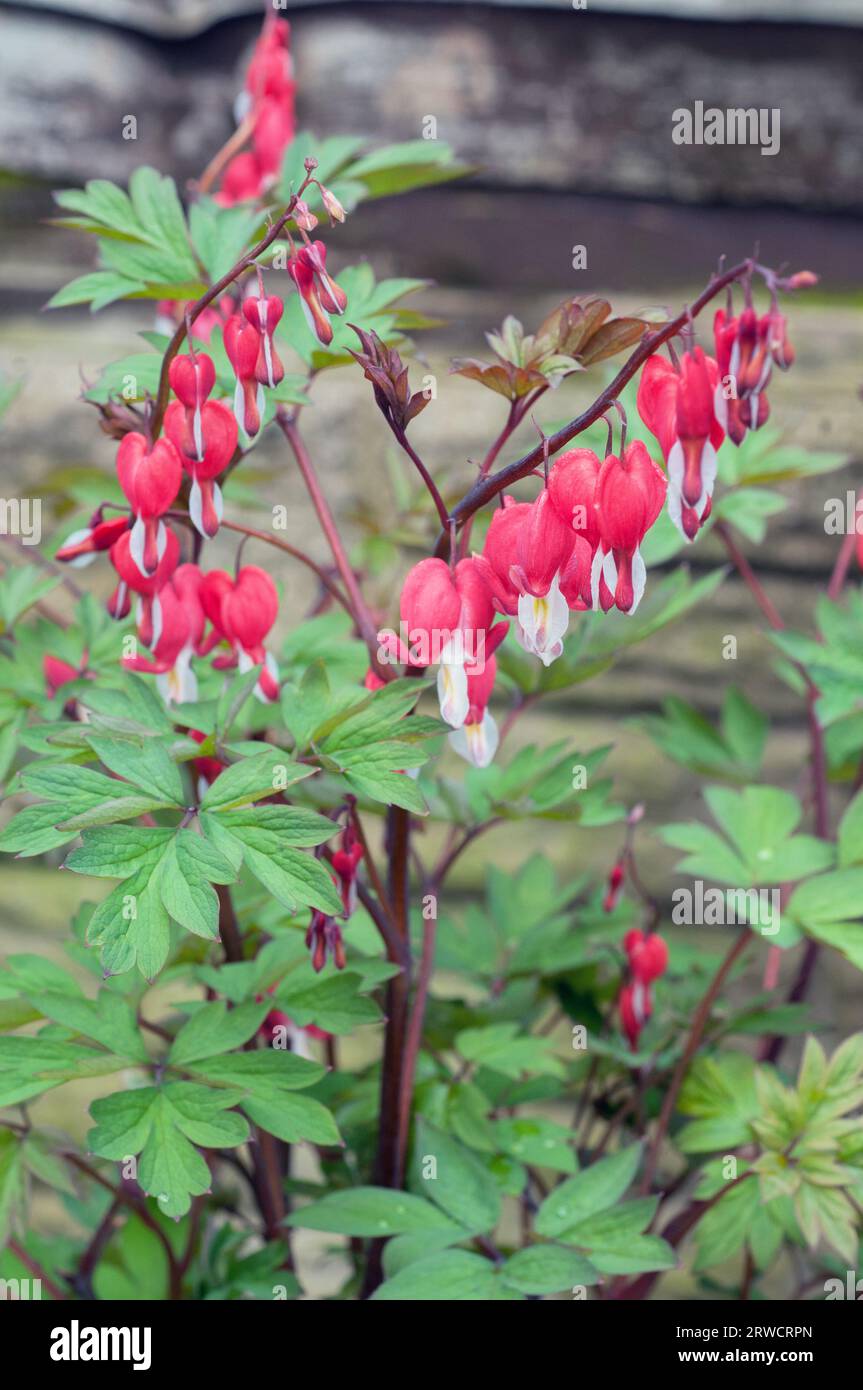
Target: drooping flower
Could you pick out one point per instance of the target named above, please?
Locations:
(267, 105)
(263, 313)
(630, 492)
(614, 888)
(214, 443)
(320, 295)
(543, 547)
(214, 586)
(500, 553)
(745, 366)
(172, 650)
(241, 181)
(247, 613)
(274, 130)
(572, 488)
(780, 348)
(679, 405)
(346, 861)
(647, 956)
(269, 73)
(149, 615)
(477, 740)
(150, 477)
(446, 617)
(192, 377)
(242, 344)
(635, 1006)
(81, 547)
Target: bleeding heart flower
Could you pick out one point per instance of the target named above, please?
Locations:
(745, 367)
(149, 616)
(477, 740)
(649, 958)
(543, 547)
(446, 620)
(242, 344)
(269, 72)
(320, 296)
(241, 181)
(81, 547)
(630, 492)
(215, 447)
(572, 488)
(192, 378)
(150, 478)
(346, 861)
(247, 613)
(500, 554)
(274, 131)
(172, 650)
(263, 313)
(635, 1006)
(679, 405)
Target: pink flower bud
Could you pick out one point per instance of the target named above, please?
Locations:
(332, 204)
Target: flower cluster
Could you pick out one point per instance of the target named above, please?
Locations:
(747, 348)
(265, 107)
(577, 546)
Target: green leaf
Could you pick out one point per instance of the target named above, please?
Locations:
(163, 1125)
(372, 1211)
(400, 168)
(213, 1029)
(594, 1190)
(29, 1066)
(261, 1074)
(21, 587)
(453, 1276)
(253, 779)
(295, 879)
(723, 1229)
(335, 1003)
(542, 1269)
(147, 764)
(850, 834)
(12, 1187)
(454, 1179)
(611, 1229)
(167, 874)
(720, 1092)
(501, 1048)
(294, 1119)
(635, 1255)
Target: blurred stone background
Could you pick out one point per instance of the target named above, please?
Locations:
(566, 116)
